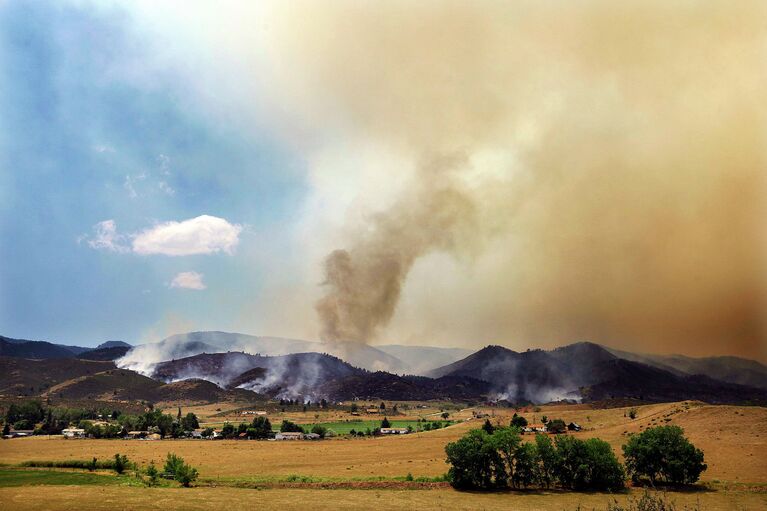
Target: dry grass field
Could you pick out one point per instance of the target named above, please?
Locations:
(731, 438)
(75, 498)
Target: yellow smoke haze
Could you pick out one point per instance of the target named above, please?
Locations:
(576, 170)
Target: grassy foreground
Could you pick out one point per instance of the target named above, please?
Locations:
(76, 498)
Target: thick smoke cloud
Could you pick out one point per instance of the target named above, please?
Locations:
(610, 181)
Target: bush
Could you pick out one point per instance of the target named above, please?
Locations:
(180, 471)
(121, 463)
(663, 453)
(518, 421)
(153, 473)
(649, 502)
(385, 422)
(633, 413)
(319, 430)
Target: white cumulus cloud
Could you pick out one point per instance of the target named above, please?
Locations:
(202, 235)
(188, 280)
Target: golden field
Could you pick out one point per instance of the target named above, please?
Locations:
(731, 437)
(77, 498)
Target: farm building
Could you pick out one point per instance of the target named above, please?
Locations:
(289, 435)
(73, 433)
(312, 436)
(394, 431)
(136, 434)
(372, 410)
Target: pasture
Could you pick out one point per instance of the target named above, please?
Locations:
(731, 437)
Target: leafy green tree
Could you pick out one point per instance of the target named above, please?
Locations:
(588, 465)
(172, 462)
(548, 459)
(190, 422)
(445, 415)
(164, 424)
(544, 419)
(385, 423)
(228, 430)
(262, 427)
(186, 475)
(487, 427)
(290, 427)
(526, 470)
(506, 442)
(207, 432)
(319, 430)
(6, 429)
(556, 426)
(475, 463)
(663, 453)
(518, 421)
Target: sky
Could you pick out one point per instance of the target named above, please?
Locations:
(448, 173)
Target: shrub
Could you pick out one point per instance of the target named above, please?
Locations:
(319, 430)
(518, 421)
(180, 471)
(649, 502)
(153, 473)
(663, 453)
(632, 413)
(488, 427)
(385, 422)
(121, 463)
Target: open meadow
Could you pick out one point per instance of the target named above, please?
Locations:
(350, 472)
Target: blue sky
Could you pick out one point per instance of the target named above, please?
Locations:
(83, 143)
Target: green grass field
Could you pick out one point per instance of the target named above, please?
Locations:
(12, 477)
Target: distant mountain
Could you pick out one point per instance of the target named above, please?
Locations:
(33, 349)
(729, 369)
(289, 376)
(113, 344)
(143, 358)
(28, 377)
(589, 371)
(109, 353)
(422, 359)
(37, 349)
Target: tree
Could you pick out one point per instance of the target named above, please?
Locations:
(164, 423)
(385, 423)
(189, 422)
(181, 472)
(207, 432)
(6, 429)
(518, 421)
(544, 419)
(632, 413)
(487, 427)
(186, 475)
(556, 426)
(588, 465)
(228, 430)
(525, 466)
(290, 427)
(353, 408)
(262, 427)
(445, 415)
(548, 459)
(121, 463)
(153, 473)
(505, 441)
(382, 406)
(319, 430)
(663, 453)
(475, 462)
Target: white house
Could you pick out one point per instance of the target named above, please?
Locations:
(73, 433)
(394, 431)
(289, 435)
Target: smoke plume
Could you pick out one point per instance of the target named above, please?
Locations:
(597, 168)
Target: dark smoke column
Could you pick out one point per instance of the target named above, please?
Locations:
(364, 282)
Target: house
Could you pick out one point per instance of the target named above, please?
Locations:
(20, 433)
(154, 436)
(73, 433)
(289, 435)
(394, 431)
(574, 426)
(136, 434)
(372, 410)
(312, 436)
